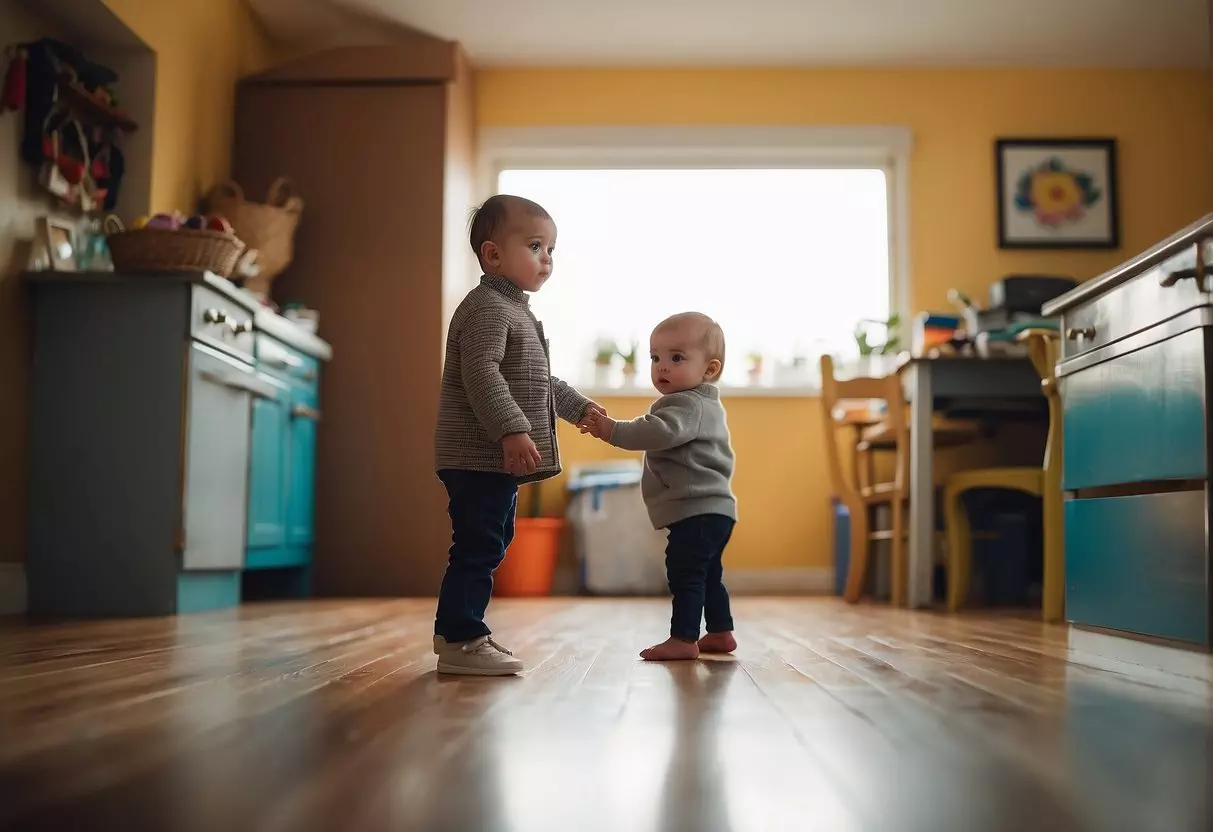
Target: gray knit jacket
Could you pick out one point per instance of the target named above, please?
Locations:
(497, 380)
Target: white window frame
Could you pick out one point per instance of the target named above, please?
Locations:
(623, 148)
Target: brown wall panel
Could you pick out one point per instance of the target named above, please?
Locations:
(368, 161)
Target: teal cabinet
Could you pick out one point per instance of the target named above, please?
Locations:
(268, 457)
(1137, 564)
(1139, 417)
(1135, 391)
(282, 469)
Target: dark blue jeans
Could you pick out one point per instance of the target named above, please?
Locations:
(482, 509)
(694, 569)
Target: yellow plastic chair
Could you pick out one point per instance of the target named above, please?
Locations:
(1042, 482)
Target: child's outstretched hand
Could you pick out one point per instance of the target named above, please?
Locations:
(519, 453)
(598, 425)
(590, 410)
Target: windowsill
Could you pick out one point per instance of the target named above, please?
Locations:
(727, 391)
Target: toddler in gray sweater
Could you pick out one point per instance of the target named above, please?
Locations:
(688, 463)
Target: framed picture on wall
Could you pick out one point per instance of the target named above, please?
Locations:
(1057, 193)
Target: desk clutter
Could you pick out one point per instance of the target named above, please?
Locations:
(1000, 515)
(1014, 307)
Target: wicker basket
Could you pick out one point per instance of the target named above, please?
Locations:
(268, 227)
(164, 250)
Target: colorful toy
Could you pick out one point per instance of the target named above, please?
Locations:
(215, 222)
(167, 222)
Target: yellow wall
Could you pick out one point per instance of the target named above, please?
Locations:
(202, 49)
(1163, 121)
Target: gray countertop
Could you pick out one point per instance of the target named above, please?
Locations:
(1148, 259)
(264, 318)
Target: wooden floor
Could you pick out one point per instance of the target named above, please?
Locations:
(328, 716)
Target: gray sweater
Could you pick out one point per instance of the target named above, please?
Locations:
(688, 461)
(497, 380)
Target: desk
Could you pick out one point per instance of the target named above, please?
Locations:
(951, 384)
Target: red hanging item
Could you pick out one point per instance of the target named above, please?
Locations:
(14, 83)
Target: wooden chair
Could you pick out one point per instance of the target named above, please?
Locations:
(1043, 482)
(859, 492)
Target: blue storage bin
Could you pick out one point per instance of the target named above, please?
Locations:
(842, 544)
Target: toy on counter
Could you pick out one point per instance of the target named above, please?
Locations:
(177, 221)
(214, 222)
(164, 222)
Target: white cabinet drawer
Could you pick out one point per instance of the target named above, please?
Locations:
(220, 391)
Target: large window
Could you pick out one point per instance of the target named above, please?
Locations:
(789, 259)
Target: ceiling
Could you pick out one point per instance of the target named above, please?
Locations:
(785, 32)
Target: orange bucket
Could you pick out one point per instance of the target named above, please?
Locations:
(530, 561)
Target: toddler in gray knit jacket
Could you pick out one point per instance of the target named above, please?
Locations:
(688, 463)
(497, 413)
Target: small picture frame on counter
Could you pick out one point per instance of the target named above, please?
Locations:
(58, 239)
(1057, 193)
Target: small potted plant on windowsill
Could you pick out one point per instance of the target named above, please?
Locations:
(605, 351)
(873, 358)
(754, 360)
(530, 561)
(629, 363)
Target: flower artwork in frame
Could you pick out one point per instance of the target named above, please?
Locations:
(1057, 193)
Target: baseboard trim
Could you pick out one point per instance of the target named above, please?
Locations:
(13, 596)
(808, 580)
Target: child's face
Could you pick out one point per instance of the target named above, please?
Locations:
(524, 253)
(679, 361)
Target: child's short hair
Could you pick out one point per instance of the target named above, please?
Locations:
(489, 218)
(709, 333)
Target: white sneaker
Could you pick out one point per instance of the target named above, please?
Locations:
(478, 657)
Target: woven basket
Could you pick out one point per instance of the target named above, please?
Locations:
(268, 227)
(164, 250)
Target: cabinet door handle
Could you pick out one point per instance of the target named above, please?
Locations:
(1080, 333)
(302, 411)
(1196, 273)
(1171, 278)
(286, 361)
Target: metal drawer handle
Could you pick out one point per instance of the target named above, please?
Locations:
(238, 384)
(302, 411)
(215, 316)
(243, 326)
(1080, 334)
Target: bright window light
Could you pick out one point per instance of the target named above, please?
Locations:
(788, 261)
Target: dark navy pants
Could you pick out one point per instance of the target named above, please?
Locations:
(482, 507)
(693, 565)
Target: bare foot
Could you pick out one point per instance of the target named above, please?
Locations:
(670, 650)
(717, 643)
